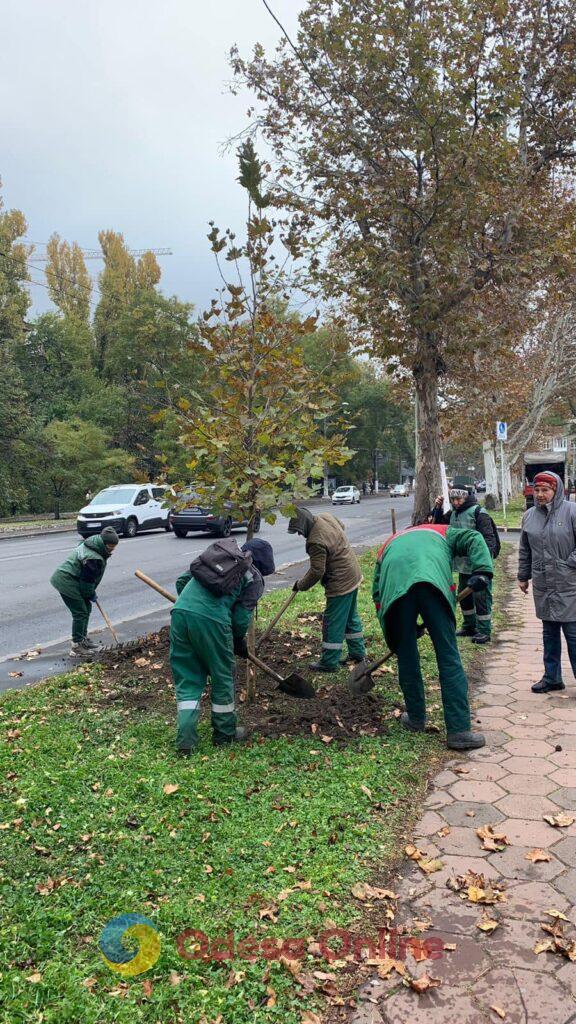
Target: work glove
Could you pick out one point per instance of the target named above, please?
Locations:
(94, 598)
(296, 587)
(240, 647)
(477, 583)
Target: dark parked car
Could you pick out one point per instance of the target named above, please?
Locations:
(198, 517)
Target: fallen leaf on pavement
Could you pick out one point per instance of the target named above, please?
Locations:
(170, 788)
(14, 675)
(499, 1012)
(424, 983)
(388, 965)
(487, 924)
(544, 946)
(413, 852)
(560, 820)
(536, 856)
(449, 947)
(444, 831)
(492, 840)
(429, 866)
(460, 770)
(557, 914)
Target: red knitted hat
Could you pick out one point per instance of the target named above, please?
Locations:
(546, 478)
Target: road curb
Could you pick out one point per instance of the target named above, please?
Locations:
(46, 532)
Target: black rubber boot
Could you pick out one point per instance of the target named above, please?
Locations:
(545, 685)
(186, 751)
(317, 666)
(240, 736)
(407, 722)
(465, 740)
(348, 660)
(464, 632)
(480, 638)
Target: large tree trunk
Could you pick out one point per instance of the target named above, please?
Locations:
(428, 479)
(491, 473)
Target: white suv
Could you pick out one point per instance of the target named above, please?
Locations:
(128, 508)
(346, 496)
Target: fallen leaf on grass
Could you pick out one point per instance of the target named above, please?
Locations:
(499, 1012)
(268, 913)
(560, 820)
(141, 662)
(364, 891)
(34, 978)
(310, 1018)
(487, 924)
(147, 989)
(170, 788)
(424, 983)
(89, 983)
(271, 993)
(174, 978)
(536, 856)
(367, 791)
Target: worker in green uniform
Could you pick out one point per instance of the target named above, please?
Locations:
(334, 564)
(206, 631)
(412, 578)
(467, 514)
(76, 581)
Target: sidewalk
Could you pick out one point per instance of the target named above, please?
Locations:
(526, 771)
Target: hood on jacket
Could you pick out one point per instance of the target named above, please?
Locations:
(559, 496)
(97, 544)
(302, 522)
(262, 555)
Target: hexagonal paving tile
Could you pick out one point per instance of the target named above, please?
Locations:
(518, 731)
(480, 814)
(495, 738)
(564, 758)
(566, 741)
(526, 805)
(485, 771)
(564, 777)
(529, 766)
(531, 748)
(429, 824)
(525, 832)
(533, 899)
(567, 975)
(545, 998)
(512, 863)
(565, 850)
(435, 1007)
(438, 798)
(498, 988)
(493, 755)
(513, 944)
(565, 797)
(495, 711)
(566, 884)
(522, 716)
(479, 792)
(528, 784)
(461, 866)
(461, 842)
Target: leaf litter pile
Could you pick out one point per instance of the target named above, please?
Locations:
(140, 678)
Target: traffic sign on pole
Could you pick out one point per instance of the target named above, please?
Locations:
(501, 431)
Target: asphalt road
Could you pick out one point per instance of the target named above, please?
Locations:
(33, 615)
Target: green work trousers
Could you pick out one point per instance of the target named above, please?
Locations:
(426, 601)
(476, 608)
(201, 647)
(340, 623)
(80, 607)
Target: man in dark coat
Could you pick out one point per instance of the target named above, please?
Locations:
(548, 558)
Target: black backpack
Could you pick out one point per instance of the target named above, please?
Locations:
(497, 544)
(221, 566)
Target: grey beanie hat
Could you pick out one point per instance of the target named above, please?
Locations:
(459, 492)
(109, 535)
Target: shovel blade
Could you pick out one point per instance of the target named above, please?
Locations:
(359, 672)
(296, 685)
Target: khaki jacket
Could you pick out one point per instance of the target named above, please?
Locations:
(332, 560)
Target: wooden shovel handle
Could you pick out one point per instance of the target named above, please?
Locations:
(265, 668)
(107, 621)
(155, 586)
(276, 619)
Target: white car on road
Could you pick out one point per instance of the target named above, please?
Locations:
(346, 496)
(128, 508)
(400, 491)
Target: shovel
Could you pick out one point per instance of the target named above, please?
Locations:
(108, 623)
(360, 679)
(276, 619)
(294, 685)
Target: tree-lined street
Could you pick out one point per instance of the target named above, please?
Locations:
(33, 615)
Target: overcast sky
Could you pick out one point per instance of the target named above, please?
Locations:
(114, 113)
